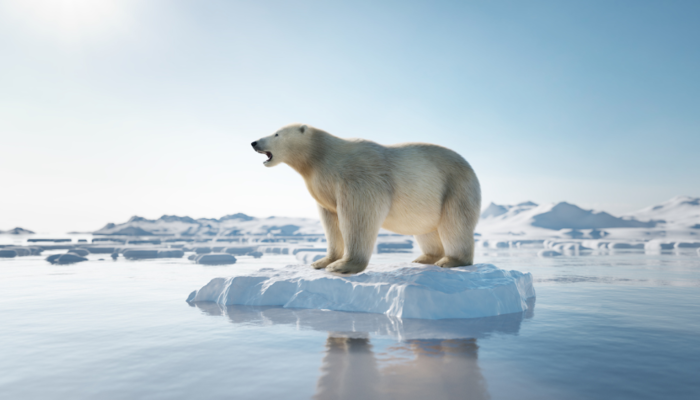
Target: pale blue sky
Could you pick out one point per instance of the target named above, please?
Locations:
(115, 108)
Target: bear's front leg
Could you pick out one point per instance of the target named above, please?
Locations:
(334, 239)
(360, 221)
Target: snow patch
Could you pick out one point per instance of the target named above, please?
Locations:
(404, 291)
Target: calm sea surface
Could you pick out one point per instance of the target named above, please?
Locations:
(620, 326)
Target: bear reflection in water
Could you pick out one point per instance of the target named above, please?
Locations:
(439, 369)
(431, 358)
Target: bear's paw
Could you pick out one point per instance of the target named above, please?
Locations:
(427, 259)
(347, 266)
(450, 262)
(322, 263)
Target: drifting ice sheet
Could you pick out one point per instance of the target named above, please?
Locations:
(404, 291)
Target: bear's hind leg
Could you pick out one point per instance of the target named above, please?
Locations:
(456, 232)
(431, 246)
(334, 238)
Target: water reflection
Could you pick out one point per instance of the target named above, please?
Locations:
(363, 325)
(436, 369)
(430, 358)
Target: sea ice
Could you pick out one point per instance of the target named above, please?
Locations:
(68, 258)
(404, 291)
(80, 252)
(140, 254)
(240, 250)
(687, 245)
(215, 259)
(8, 253)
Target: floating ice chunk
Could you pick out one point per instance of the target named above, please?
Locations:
(100, 250)
(274, 249)
(403, 291)
(240, 250)
(202, 250)
(8, 253)
(139, 254)
(68, 258)
(624, 246)
(170, 253)
(215, 259)
(79, 251)
(256, 254)
(687, 245)
(20, 251)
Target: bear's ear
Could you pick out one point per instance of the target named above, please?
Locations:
(303, 128)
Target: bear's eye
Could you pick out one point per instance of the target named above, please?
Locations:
(277, 134)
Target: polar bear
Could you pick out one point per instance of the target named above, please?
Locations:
(360, 186)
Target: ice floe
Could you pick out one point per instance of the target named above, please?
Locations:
(404, 291)
(68, 258)
(215, 259)
(140, 254)
(5, 253)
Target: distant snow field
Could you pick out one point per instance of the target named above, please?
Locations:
(678, 218)
(555, 229)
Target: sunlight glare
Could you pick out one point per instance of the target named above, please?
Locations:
(73, 18)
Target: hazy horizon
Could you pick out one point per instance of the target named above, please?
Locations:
(118, 108)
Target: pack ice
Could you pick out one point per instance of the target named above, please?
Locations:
(404, 291)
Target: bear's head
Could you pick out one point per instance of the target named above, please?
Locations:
(285, 145)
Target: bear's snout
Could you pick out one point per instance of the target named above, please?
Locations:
(254, 144)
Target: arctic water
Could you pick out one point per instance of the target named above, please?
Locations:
(604, 325)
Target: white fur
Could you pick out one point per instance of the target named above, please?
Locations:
(412, 188)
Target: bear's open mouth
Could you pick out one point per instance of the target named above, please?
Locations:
(268, 154)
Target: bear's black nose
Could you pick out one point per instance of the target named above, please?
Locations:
(253, 144)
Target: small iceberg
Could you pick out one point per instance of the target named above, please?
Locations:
(403, 291)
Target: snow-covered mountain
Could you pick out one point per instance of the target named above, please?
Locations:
(679, 211)
(496, 210)
(230, 225)
(679, 216)
(555, 216)
(17, 231)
